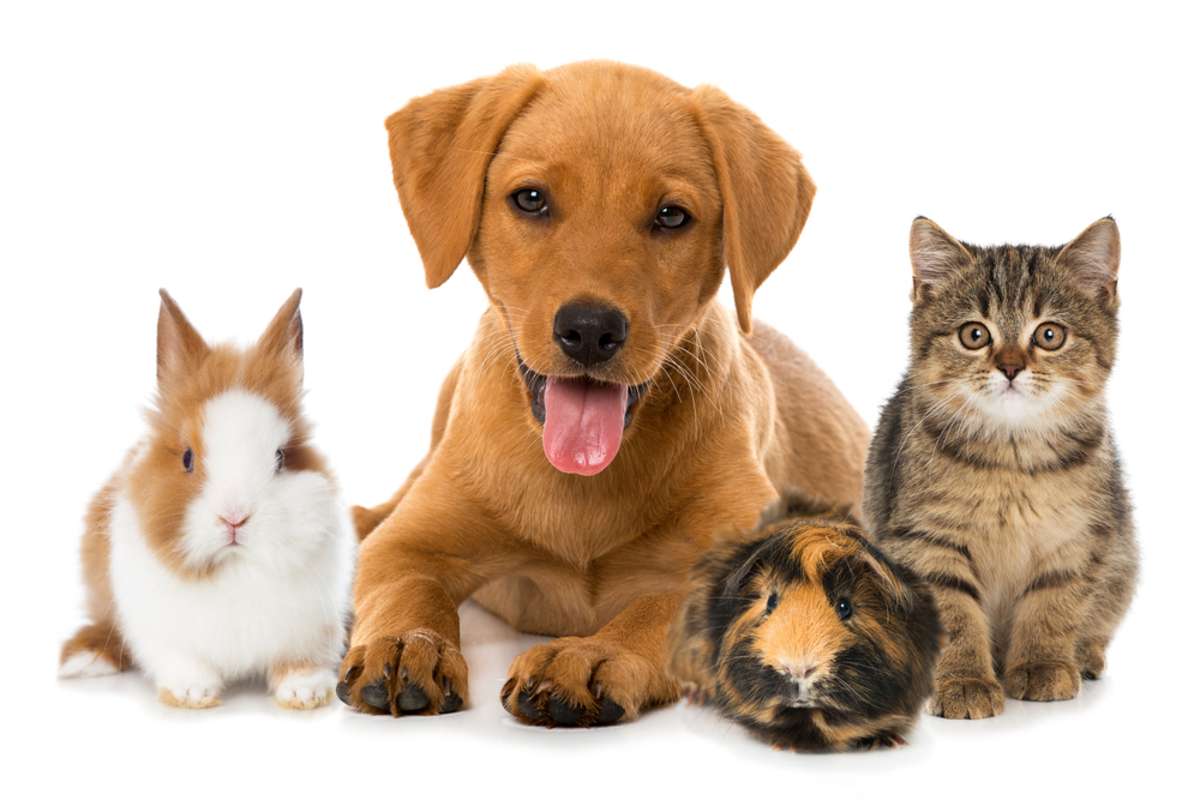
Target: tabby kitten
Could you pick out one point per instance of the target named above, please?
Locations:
(993, 473)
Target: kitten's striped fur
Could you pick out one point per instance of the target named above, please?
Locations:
(1006, 494)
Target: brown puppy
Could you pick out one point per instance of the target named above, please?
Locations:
(609, 419)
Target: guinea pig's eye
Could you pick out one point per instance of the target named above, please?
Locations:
(671, 218)
(530, 201)
(843, 608)
(772, 601)
(974, 335)
(279, 459)
(188, 460)
(1050, 336)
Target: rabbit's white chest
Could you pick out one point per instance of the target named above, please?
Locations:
(240, 621)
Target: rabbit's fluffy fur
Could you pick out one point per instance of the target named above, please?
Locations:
(193, 600)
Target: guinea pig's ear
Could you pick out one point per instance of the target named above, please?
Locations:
(441, 146)
(738, 579)
(284, 336)
(895, 589)
(766, 193)
(180, 347)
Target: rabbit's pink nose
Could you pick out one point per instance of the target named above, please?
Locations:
(232, 523)
(235, 521)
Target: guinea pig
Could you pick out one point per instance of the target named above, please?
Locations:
(805, 634)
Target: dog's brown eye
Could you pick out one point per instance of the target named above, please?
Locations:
(1050, 336)
(974, 335)
(188, 460)
(530, 201)
(671, 218)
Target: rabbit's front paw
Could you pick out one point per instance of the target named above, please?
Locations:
(303, 689)
(417, 672)
(190, 696)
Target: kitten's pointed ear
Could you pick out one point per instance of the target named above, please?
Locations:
(936, 255)
(441, 146)
(180, 347)
(284, 335)
(1094, 257)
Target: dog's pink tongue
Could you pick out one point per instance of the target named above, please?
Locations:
(584, 423)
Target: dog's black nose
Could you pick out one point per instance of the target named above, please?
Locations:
(590, 333)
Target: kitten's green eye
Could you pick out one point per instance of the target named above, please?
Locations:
(1050, 336)
(974, 335)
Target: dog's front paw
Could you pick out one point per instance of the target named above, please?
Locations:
(583, 682)
(959, 697)
(417, 672)
(1044, 681)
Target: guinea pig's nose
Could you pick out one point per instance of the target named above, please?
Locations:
(802, 671)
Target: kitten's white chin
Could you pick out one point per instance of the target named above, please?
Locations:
(1011, 406)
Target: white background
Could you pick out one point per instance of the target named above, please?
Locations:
(232, 153)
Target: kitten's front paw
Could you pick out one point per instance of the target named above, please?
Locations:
(956, 697)
(1046, 681)
(304, 689)
(1091, 660)
(194, 696)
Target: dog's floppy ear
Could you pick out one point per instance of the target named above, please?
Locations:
(765, 191)
(441, 145)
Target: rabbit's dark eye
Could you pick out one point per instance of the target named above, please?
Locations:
(843, 608)
(772, 601)
(188, 460)
(279, 459)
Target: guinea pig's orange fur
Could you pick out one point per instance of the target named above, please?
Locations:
(732, 648)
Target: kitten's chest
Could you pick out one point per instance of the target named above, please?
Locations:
(1025, 526)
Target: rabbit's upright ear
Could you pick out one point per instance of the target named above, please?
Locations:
(284, 336)
(441, 146)
(180, 347)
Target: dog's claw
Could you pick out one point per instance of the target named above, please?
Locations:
(563, 713)
(451, 703)
(610, 712)
(526, 705)
(376, 695)
(413, 698)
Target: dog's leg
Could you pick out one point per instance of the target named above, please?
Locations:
(414, 571)
(608, 677)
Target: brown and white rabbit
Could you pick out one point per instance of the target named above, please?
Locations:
(807, 635)
(220, 550)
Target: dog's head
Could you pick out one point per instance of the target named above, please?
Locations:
(599, 205)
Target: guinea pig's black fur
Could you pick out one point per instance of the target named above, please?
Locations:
(806, 634)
